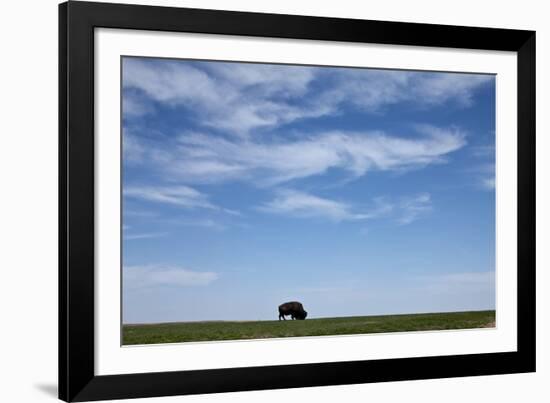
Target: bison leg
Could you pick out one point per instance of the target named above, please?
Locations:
(281, 316)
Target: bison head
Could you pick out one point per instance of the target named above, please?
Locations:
(302, 315)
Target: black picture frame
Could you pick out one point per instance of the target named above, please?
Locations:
(77, 379)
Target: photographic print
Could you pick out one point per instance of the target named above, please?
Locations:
(252, 201)
(270, 200)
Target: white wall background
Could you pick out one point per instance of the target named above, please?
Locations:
(28, 201)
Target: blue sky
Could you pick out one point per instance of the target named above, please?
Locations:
(354, 191)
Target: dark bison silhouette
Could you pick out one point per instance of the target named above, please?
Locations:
(294, 309)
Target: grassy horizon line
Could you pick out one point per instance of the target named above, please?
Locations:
(177, 332)
(309, 318)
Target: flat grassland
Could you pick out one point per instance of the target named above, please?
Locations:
(178, 332)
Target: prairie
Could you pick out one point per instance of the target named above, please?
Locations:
(177, 332)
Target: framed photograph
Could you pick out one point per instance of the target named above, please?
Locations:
(256, 201)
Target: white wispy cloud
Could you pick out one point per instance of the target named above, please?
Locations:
(489, 183)
(437, 88)
(183, 196)
(133, 149)
(266, 79)
(239, 97)
(372, 90)
(207, 223)
(232, 97)
(301, 204)
(201, 158)
(485, 175)
(482, 151)
(488, 180)
(412, 208)
(135, 106)
(140, 213)
(146, 235)
(484, 167)
(158, 275)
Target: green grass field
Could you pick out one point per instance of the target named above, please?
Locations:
(239, 330)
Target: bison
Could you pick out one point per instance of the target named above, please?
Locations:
(294, 309)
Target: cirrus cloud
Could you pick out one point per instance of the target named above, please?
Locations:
(241, 97)
(302, 204)
(183, 196)
(202, 158)
(414, 207)
(136, 277)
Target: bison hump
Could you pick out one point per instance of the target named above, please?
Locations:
(293, 305)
